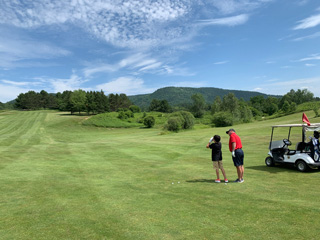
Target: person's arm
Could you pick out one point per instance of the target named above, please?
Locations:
(233, 146)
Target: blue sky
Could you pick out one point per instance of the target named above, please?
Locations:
(137, 46)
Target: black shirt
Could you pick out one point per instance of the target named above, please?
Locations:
(216, 151)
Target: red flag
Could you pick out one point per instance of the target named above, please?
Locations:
(305, 119)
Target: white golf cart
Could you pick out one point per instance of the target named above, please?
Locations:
(302, 155)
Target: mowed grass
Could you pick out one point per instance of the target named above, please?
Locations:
(60, 179)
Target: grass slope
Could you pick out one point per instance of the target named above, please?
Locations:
(60, 179)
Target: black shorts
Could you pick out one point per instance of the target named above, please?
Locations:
(238, 159)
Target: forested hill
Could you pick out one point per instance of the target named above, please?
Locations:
(181, 96)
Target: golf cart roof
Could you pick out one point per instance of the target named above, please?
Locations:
(312, 127)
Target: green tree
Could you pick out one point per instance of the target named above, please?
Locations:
(198, 106)
(245, 111)
(270, 105)
(159, 106)
(78, 100)
(91, 104)
(222, 119)
(102, 102)
(231, 104)
(286, 107)
(135, 109)
(217, 105)
(29, 100)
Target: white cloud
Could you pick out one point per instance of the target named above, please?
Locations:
(127, 85)
(310, 65)
(311, 58)
(312, 36)
(10, 92)
(222, 62)
(14, 49)
(133, 24)
(60, 84)
(134, 62)
(232, 6)
(309, 22)
(282, 87)
(258, 89)
(16, 83)
(228, 21)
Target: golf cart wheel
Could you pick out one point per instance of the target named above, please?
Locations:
(301, 166)
(269, 161)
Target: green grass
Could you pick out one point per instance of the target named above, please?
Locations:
(60, 179)
(111, 120)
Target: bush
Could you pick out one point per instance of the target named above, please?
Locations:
(174, 123)
(222, 119)
(188, 119)
(135, 109)
(149, 121)
(125, 114)
(180, 120)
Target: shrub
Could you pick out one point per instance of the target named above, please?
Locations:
(125, 114)
(222, 119)
(149, 121)
(174, 123)
(180, 120)
(188, 119)
(135, 109)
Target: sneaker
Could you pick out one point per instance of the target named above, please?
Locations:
(242, 180)
(217, 180)
(226, 180)
(237, 180)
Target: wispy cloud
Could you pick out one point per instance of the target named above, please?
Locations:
(309, 22)
(133, 24)
(15, 49)
(10, 92)
(311, 58)
(282, 87)
(13, 83)
(312, 36)
(74, 82)
(310, 65)
(219, 63)
(233, 6)
(228, 21)
(128, 85)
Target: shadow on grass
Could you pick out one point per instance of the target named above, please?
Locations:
(201, 181)
(279, 169)
(204, 181)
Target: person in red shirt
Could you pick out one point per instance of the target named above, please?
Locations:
(235, 147)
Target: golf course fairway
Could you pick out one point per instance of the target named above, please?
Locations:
(60, 179)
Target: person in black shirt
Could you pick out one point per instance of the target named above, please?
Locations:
(216, 157)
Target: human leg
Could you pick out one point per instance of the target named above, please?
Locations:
(216, 167)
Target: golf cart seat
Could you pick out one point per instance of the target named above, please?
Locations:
(301, 146)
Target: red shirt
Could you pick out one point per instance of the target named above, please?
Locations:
(234, 138)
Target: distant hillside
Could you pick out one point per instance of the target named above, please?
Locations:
(181, 96)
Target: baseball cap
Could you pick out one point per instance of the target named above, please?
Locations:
(231, 129)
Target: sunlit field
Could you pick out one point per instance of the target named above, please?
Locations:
(61, 179)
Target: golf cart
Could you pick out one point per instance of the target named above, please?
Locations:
(300, 154)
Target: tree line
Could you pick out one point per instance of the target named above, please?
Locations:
(225, 111)
(92, 102)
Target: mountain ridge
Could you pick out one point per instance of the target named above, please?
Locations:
(181, 96)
